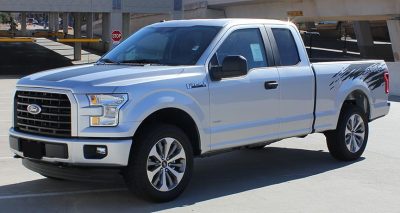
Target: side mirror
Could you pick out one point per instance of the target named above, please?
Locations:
(232, 66)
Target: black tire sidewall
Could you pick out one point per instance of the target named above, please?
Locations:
(341, 142)
(136, 171)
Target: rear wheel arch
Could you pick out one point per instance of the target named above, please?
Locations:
(359, 99)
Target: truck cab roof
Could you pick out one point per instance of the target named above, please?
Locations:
(219, 22)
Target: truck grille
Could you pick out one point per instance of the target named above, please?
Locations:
(54, 118)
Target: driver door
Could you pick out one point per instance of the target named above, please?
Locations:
(244, 110)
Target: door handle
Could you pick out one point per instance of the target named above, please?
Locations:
(271, 85)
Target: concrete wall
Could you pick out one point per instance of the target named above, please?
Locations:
(312, 9)
(56, 5)
(394, 72)
(195, 11)
(138, 6)
(147, 6)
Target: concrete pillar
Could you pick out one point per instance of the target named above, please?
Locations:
(111, 22)
(89, 25)
(51, 20)
(65, 22)
(394, 32)
(105, 26)
(177, 13)
(77, 34)
(365, 40)
(126, 21)
(56, 22)
(23, 23)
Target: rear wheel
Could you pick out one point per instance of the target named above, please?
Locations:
(349, 140)
(160, 164)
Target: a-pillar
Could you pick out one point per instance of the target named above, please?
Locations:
(77, 34)
(111, 22)
(394, 32)
(23, 23)
(365, 40)
(65, 21)
(89, 25)
(177, 13)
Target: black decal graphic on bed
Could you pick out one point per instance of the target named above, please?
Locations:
(371, 73)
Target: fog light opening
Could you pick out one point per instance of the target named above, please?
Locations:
(95, 151)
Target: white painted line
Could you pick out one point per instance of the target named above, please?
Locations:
(7, 197)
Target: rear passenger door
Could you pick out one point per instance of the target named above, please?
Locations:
(296, 81)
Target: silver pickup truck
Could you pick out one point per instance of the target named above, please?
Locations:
(177, 90)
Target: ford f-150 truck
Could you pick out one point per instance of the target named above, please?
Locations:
(176, 90)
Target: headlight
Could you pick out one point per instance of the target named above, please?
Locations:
(111, 104)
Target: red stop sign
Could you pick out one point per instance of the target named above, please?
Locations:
(116, 36)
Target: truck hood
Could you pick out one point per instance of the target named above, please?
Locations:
(100, 78)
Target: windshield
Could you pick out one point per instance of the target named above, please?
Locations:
(163, 45)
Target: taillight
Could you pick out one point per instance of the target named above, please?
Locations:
(386, 78)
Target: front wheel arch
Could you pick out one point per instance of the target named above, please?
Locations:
(175, 117)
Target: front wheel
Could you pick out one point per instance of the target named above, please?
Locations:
(349, 140)
(160, 164)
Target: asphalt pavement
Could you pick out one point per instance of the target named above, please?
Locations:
(294, 175)
(26, 58)
(21, 59)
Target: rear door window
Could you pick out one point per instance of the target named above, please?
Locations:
(288, 52)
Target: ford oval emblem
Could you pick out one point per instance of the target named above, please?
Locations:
(33, 109)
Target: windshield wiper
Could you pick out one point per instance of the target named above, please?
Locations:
(107, 61)
(142, 62)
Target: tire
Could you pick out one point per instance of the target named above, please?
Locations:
(155, 180)
(256, 147)
(346, 142)
(52, 178)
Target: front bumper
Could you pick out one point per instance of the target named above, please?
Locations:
(75, 173)
(117, 149)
